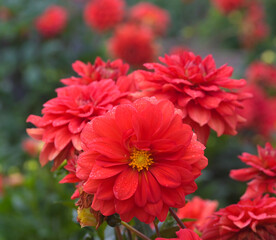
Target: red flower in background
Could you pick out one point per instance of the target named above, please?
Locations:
(95, 72)
(65, 116)
(52, 21)
(204, 93)
(183, 234)
(31, 146)
(139, 159)
(151, 16)
(103, 15)
(248, 219)
(227, 6)
(262, 172)
(134, 44)
(261, 74)
(254, 29)
(199, 210)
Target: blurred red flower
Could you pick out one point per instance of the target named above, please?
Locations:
(248, 219)
(254, 28)
(151, 16)
(227, 6)
(31, 146)
(262, 172)
(140, 159)
(199, 210)
(204, 93)
(183, 234)
(97, 71)
(52, 21)
(102, 15)
(134, 44)
(65, 116)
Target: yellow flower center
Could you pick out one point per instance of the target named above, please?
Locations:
(140, 159)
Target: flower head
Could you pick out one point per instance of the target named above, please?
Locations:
(248, 219)
(95, 72)
(52, 21)
(262, 172)
(151, 16)
(134, 44)
(103, 15)
(139, 159)
(199, 210)
(227, 6)
(204, 93)
(65, 116)
(183, 234)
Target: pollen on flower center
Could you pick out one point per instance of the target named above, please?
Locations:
(140, 159)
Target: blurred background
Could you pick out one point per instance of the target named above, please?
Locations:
(39, 41)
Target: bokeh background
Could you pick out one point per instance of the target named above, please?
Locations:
(33, 205)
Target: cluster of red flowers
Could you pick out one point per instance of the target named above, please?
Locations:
(131, 152)
(259, 111)
(253, 27)
(52, 21)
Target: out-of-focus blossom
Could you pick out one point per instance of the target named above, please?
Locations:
(52, 21)
(248, 219)
(199, 210)
(183, 234)
(134, 44)
(31, 146)
(65, 116)
(102, 15)
(261, 74)
(204, 93)
(254, 28)
(139, 159)
(1, 185)
(95, 72)
(227, 6)
(12, 180)
(151, 16)
(262, 172)
(5, 14)
(178, 50)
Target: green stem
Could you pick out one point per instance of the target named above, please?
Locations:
(179, 222)
(132, 229)
(156, 228)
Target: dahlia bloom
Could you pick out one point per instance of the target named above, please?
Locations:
(52, 21)
(151, 16)
(183, 234)
(95, 72)
(204, 93)
(65, 116)
(134, 44)
(248, 219)
(227, 6)
(262, 172)
(254, 28)
(199, 210)
(262, 74)
(103, 15)
(139, 159)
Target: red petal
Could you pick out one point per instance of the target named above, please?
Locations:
(62, 138)
(126, 184)
(198, 113)
(217, 124)
(35, 133)
(103, 173)
(70, 178)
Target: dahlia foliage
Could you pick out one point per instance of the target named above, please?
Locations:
(128, 145)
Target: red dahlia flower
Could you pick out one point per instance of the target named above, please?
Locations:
(199, 210)
(183, 234)
(65, 116)
(52, 21)
(103, 15)
(262, 172)
(227, 6)
(140, 159)
(151, 16)
(134, 44)
(204, 93)
(95, 72)
(248, 219)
